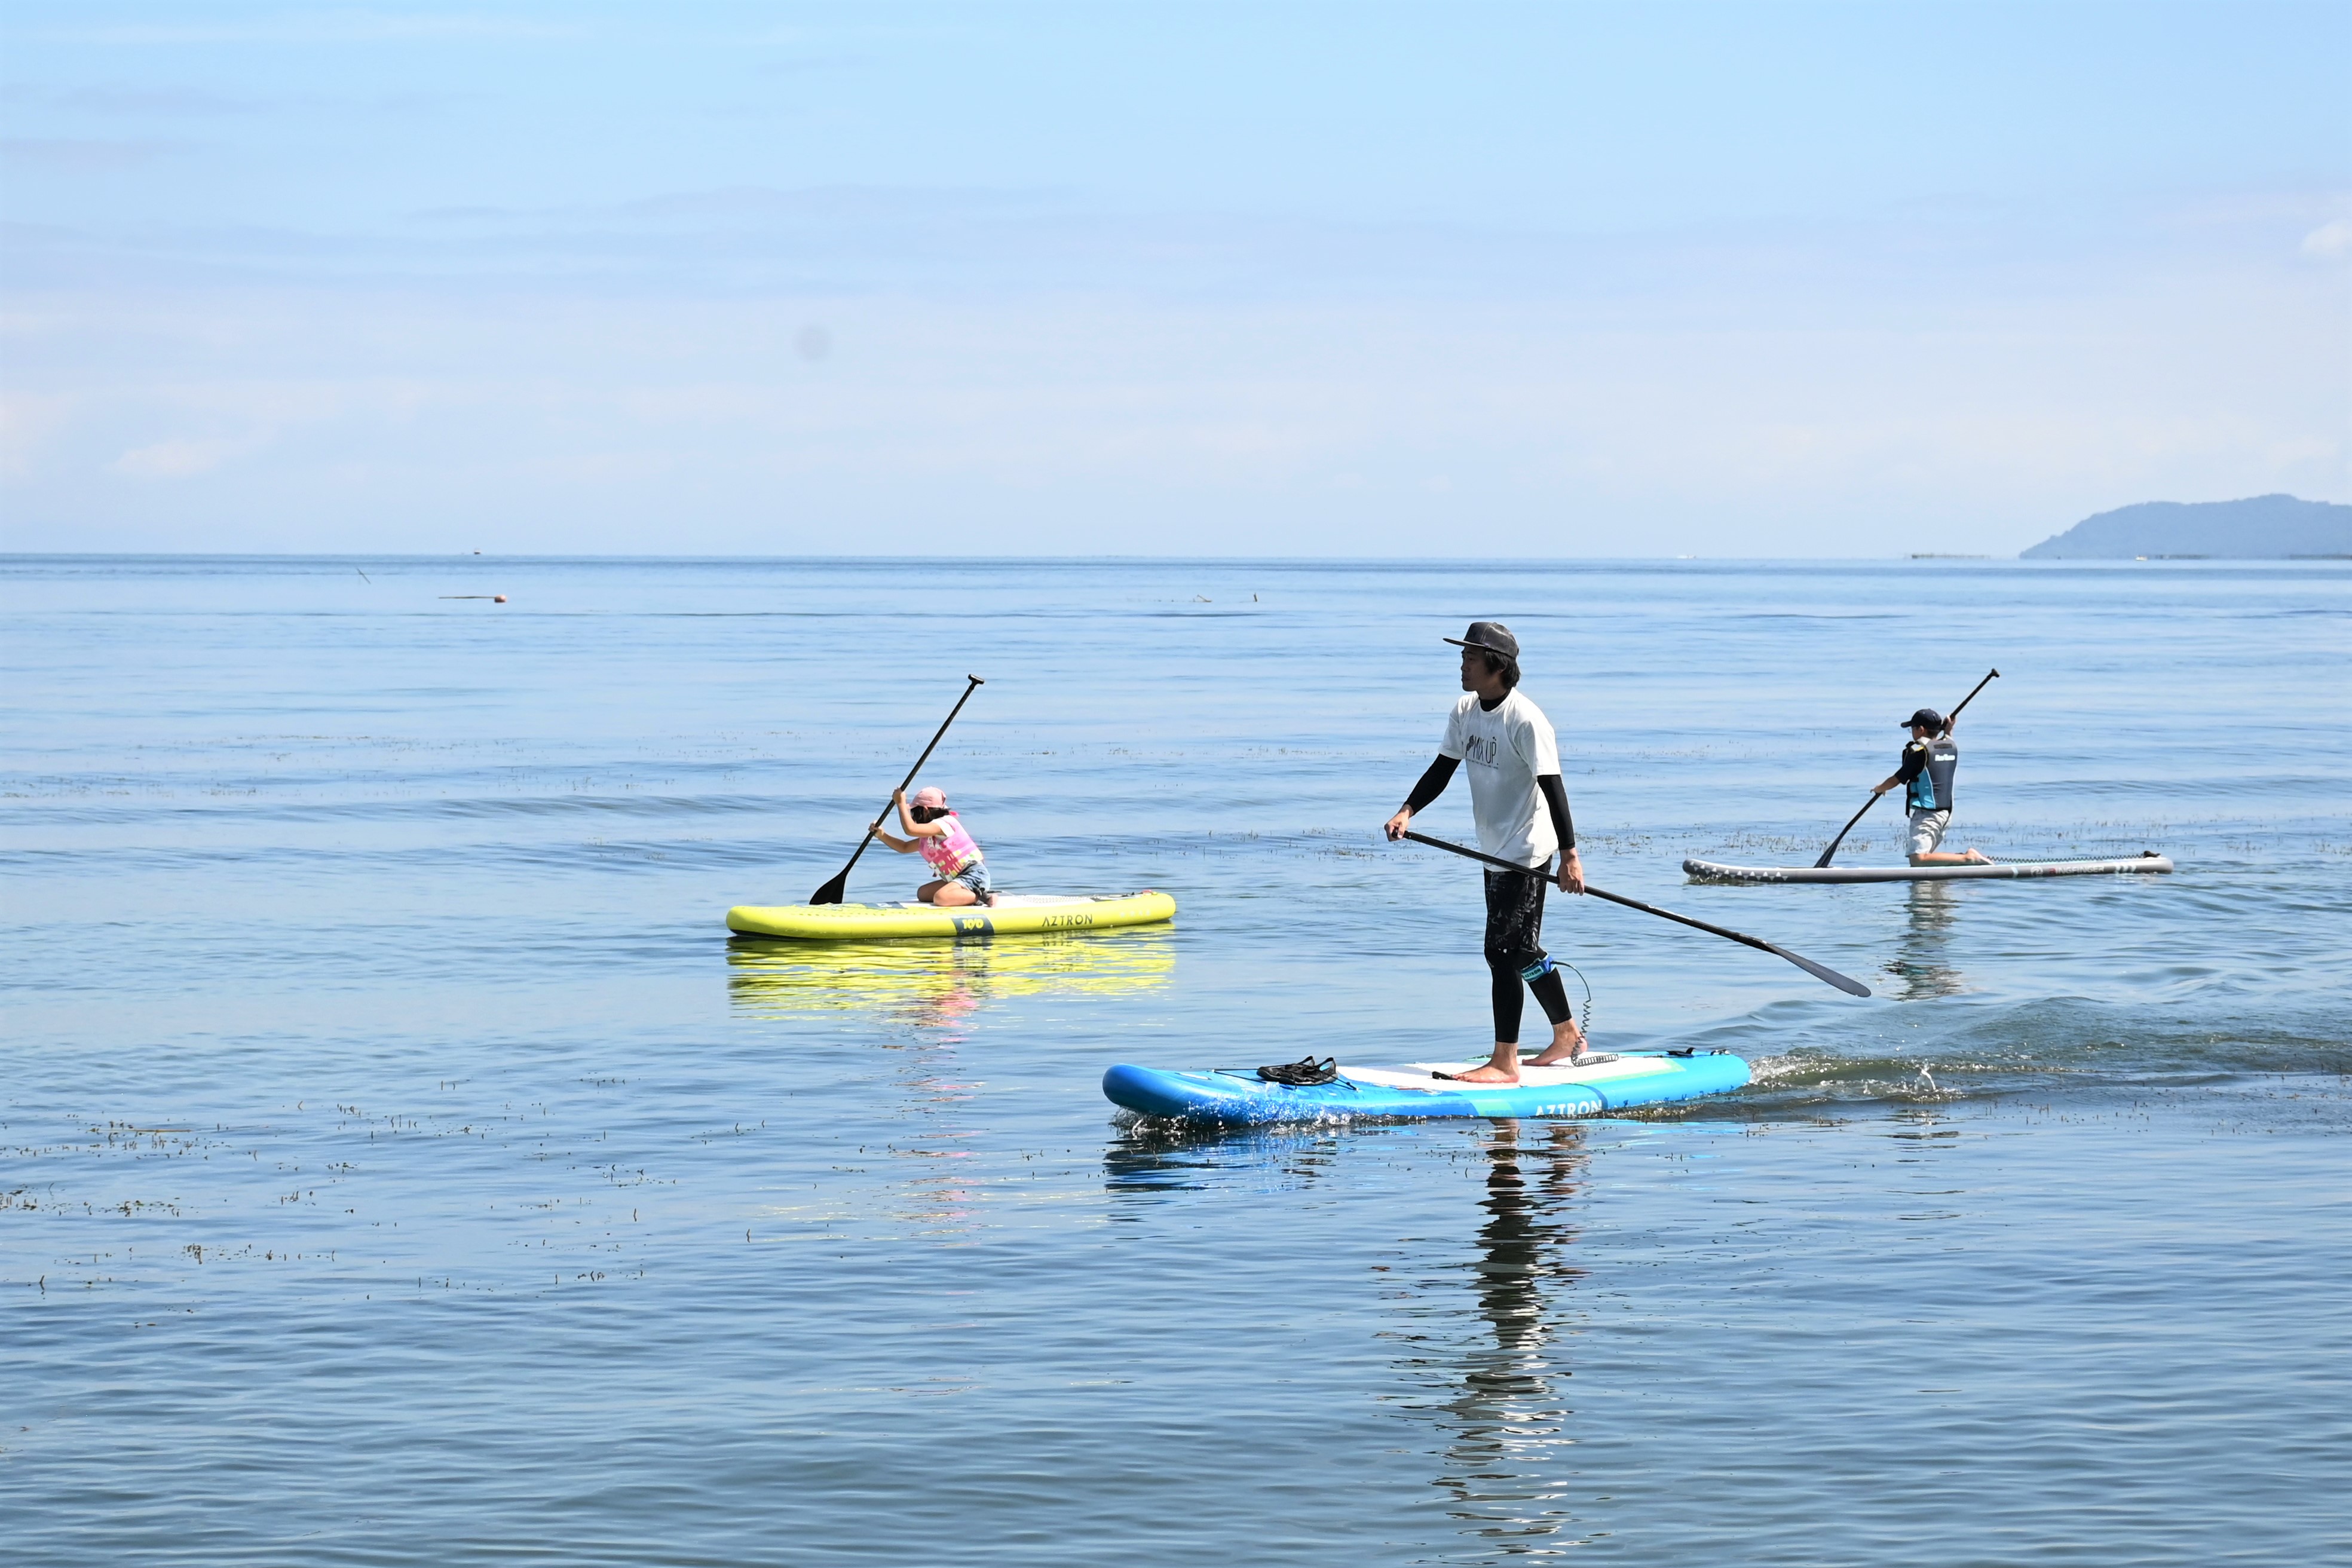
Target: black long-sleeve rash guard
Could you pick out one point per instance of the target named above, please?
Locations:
(1555, 795)
(1432, 784)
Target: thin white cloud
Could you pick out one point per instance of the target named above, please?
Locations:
(339, 26)
(153, 102)
(28, 423)
(2330, 241)
(215, 416)
(78, 155)
(177, 459)
(150, 101)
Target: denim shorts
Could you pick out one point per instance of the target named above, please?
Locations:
(975, 877)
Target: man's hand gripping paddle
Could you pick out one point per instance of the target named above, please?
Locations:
(1823, 863)
(1818, 970)
(830, 892)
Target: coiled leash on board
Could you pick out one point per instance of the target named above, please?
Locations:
(1545, 965)
(1584, 1028)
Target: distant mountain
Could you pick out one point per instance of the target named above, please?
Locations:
(2266, 528)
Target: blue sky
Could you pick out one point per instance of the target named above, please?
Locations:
(1544, 280)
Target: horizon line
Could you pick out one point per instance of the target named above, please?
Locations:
(1908, 559)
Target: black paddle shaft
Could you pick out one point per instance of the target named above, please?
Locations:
(1851, 987)
(831, 892)
(1823, 863)
(1971, 697)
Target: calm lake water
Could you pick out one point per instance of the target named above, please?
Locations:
(400, 1166)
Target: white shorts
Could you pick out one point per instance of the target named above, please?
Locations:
(1928, 831)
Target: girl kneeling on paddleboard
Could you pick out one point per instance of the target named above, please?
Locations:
(937, 833)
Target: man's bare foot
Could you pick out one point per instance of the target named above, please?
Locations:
(1566, 1045)
(1976, 858)
(1502, 1067)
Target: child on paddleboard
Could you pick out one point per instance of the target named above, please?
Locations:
(1924, 771)
(936, 833)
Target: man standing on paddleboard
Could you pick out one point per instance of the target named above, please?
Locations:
(1521, 808)
(1926, 773)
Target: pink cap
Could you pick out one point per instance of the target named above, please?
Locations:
(929, 795)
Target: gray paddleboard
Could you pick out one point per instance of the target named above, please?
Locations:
(1711, 871)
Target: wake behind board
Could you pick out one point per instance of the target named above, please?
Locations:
(1237, 1096)
(1710, 871)
(1013, 914)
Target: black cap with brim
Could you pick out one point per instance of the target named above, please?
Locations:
(1925, 719)
(1490, 636)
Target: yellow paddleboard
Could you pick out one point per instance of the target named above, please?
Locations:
(1013, 914)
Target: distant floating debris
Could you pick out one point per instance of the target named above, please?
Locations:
(493, 598)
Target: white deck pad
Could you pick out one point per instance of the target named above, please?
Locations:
(1416, 1075)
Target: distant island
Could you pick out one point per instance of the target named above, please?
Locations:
(2264, 528)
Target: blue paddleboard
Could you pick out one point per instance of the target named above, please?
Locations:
(1237, 1098)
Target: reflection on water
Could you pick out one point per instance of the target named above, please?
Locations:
(934, 988)
(1921, 961)
(934, 1188)
(938, 985)
(1162, 1157)
(1499, 1395)
(1507, 1416)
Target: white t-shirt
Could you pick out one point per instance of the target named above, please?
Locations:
(1505, 750)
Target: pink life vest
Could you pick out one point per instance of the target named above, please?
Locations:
(951, 851)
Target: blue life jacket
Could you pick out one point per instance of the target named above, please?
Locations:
(1931, 790)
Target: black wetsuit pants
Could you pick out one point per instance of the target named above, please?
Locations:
(1515, 952)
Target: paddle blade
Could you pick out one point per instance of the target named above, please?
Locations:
(1823, 863)
(1846, 983)
(831, 892)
